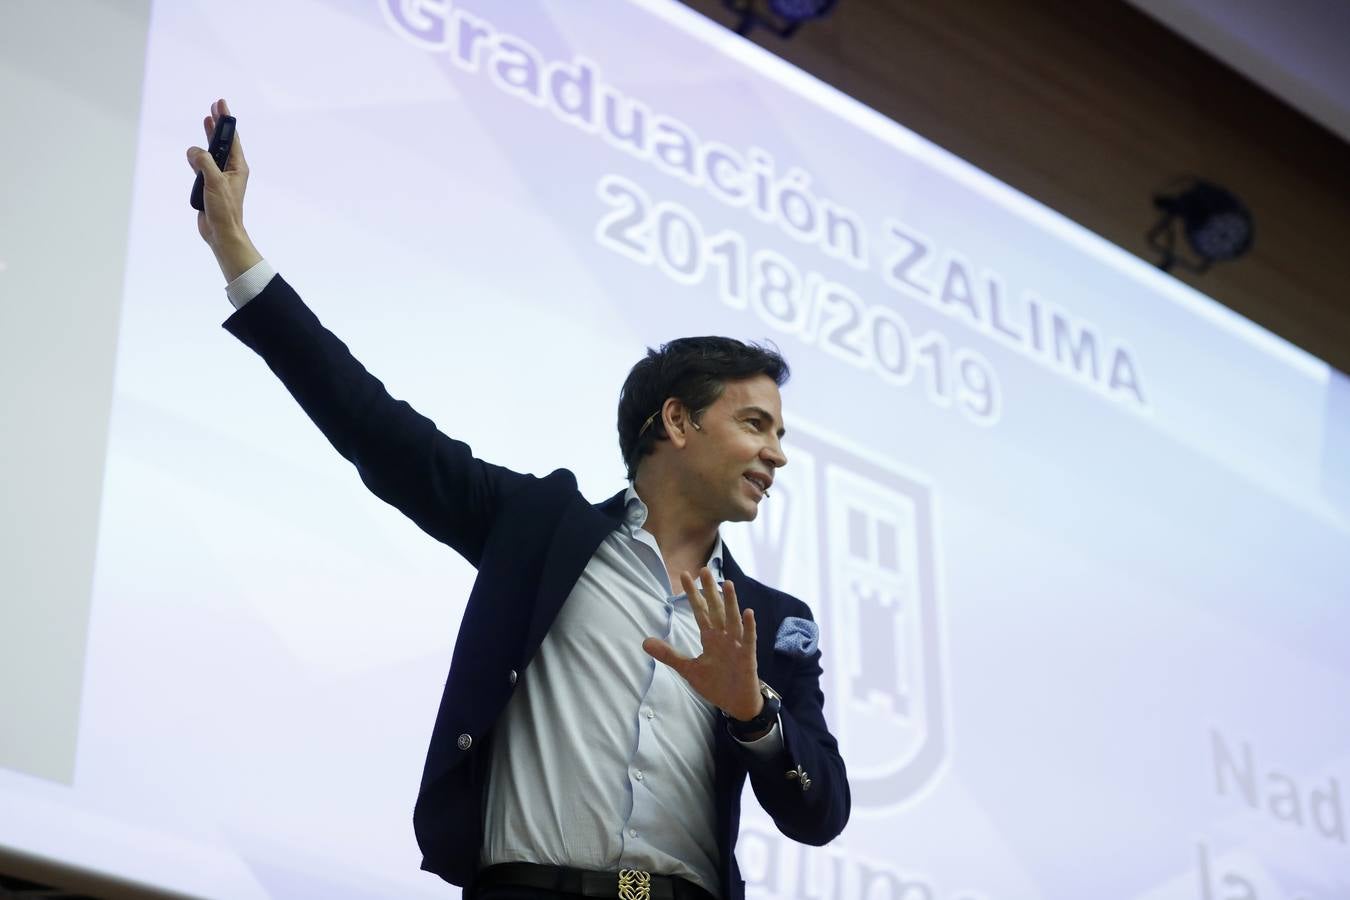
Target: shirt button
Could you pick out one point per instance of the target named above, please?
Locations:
(650, 714)
(632, 832)
(638, 774)
(512, 676)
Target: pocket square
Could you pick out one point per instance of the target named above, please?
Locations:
(797, 637)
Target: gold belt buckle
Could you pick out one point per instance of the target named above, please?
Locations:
(635, 884)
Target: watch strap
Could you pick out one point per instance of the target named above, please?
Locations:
(768, 715)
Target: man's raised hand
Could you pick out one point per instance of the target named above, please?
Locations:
(726, 673)
(221, 223)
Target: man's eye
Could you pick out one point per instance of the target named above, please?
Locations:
(754, 423)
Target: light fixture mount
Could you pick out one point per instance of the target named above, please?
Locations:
(1217, 225)
(782, 17)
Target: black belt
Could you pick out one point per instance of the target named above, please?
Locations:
(630, 884)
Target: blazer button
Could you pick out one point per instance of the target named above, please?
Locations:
(512, 677)
(465, 742)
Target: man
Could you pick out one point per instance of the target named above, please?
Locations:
(563, 760)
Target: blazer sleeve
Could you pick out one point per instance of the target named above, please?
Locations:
(399, 454)
(805, 790)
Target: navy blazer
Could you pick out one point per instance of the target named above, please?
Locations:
(530, 538)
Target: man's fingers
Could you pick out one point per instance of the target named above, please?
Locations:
(716, 614)
(696, 603)
(201, 161)
(236, 162)
(660, 651)
(237, 159)
(732, 611)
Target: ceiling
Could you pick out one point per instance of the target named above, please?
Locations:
(1296, 49)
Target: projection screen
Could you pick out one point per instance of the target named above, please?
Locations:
(1076, 535)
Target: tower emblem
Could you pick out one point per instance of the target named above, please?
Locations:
(855, 539)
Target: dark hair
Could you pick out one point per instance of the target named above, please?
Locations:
(695, 370)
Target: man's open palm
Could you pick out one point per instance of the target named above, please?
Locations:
(725, 673)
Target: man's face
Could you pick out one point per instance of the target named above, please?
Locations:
(731, 457)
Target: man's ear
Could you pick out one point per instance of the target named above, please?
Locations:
(675, 416)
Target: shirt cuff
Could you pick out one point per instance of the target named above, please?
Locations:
(250, 284)
(767, 745)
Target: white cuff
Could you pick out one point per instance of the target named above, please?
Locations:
(250, 284)
(767, 745)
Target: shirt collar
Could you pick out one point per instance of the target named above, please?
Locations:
(635, 517)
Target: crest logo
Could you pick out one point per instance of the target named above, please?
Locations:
(854, 538)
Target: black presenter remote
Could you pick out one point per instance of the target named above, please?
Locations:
(221, 142)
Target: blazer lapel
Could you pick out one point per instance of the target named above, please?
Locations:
(580, 530)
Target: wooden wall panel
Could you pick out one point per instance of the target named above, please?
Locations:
(1090, 106)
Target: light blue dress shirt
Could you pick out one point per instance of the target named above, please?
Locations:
(603, 758)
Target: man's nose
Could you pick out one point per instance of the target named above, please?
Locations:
(775, 456)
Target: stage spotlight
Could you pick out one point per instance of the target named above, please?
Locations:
(1218, 227)
(782, 17)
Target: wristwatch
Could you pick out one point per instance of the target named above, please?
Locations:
(768, 714)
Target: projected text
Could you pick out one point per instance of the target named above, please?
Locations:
(867, 335)
(805, 305)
